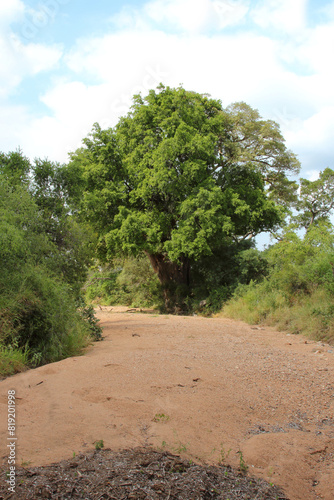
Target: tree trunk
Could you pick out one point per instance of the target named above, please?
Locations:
(174, 278)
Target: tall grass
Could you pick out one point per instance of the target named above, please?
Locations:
(308, 314)
(12, 360)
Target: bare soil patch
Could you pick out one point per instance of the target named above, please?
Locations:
(209, 390)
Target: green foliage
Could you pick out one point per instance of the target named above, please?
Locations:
(223, 454)
(139, 281)
(160, 417)
(260, 142)
(161, 182)
(301, 265)
(101, 285)
(298, 294)
(14, 168)
(51, 188)
(133, 282)
(242, 464)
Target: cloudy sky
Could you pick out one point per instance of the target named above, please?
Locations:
(66, 64)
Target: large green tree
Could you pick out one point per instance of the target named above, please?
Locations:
(179, 177)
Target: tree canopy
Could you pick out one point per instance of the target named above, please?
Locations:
(180, 176)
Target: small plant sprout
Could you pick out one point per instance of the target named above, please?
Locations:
(242, 464)
(180, 448)
(99, 444)
(160, 417)
(25, 463)
(224, 454)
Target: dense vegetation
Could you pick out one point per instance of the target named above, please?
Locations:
(162, 210)
(44, 256)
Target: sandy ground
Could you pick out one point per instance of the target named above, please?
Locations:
(207, 389)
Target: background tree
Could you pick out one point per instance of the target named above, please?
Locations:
(15, 168)
(52, 186)
(316, 199)
(180, 177)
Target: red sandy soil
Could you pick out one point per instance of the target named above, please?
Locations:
(206, 389)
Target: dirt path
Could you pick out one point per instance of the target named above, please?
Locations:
(204, 388)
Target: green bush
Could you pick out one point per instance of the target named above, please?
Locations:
(88, 314)
(41, 316)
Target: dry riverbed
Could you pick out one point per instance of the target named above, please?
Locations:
(209, 390)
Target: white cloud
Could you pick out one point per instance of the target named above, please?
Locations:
(35, 57)
(140, 63)
(312, 175)
(13, 125)
(183, 14)
(313, 139)
(186, 16)
(10, 10)
(244, 67)
(284, 15)
(193, 60)
(316, 132)
(19, 60)
(317, 50)
(74, 107)
(230, 12)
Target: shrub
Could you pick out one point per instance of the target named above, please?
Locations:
(41, 317)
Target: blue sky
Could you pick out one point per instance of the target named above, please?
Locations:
(66, 64)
